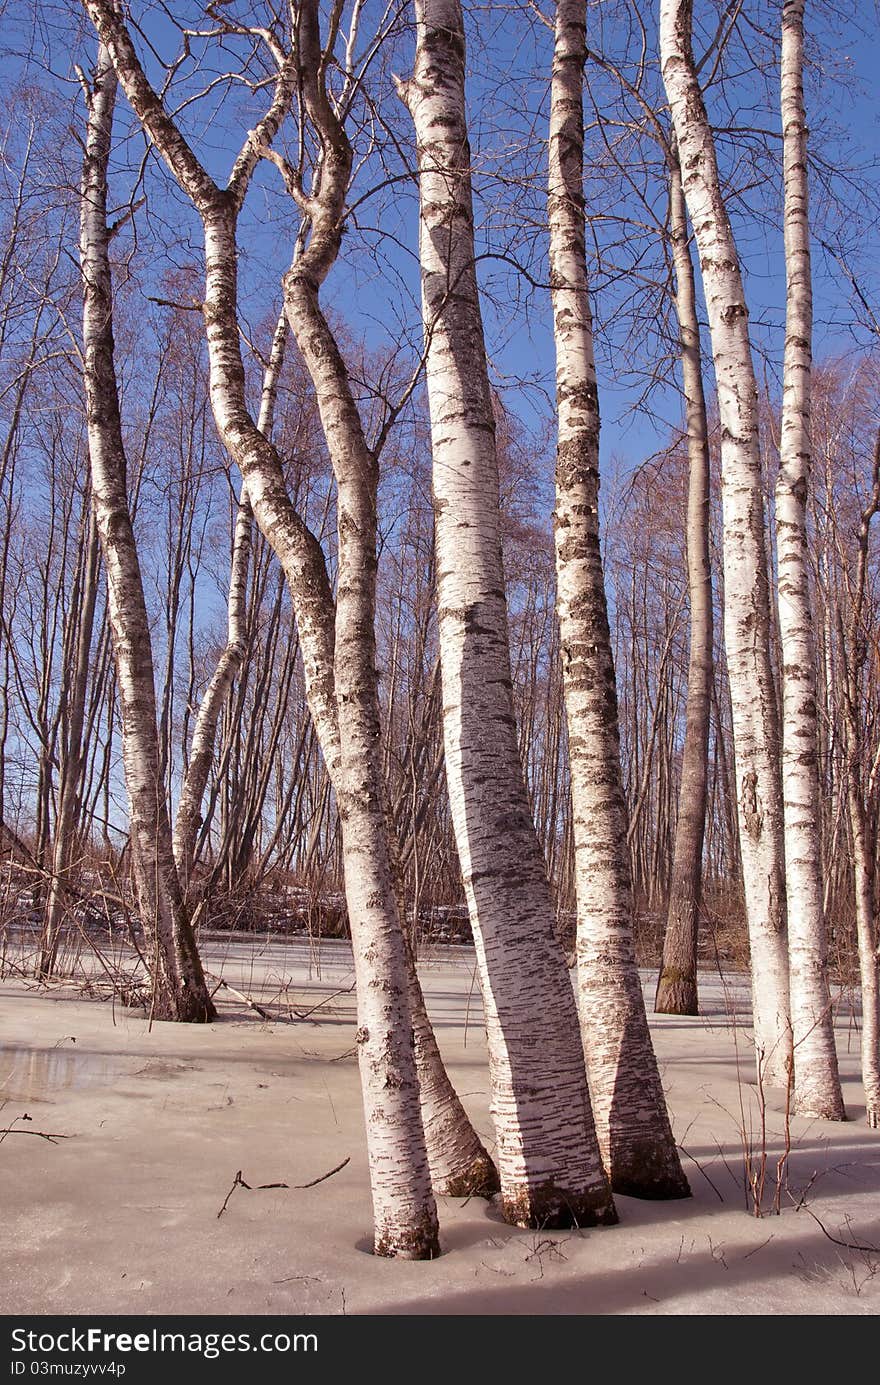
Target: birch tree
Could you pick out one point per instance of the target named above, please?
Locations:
(628, 1100)
(548, 1157)
(677, 982)
(188, 817)
(746, 583)
(816, 1080)
(179, 989)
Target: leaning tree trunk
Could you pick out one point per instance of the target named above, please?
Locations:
(179, 990)
(677, 983)
(457, 1159)
(628, 1101)
(188, 819)
(816, 1078)
(548, 1156)
(385, 1031)
(339, 659)
(746, 583)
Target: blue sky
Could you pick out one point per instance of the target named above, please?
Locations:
(374, 288)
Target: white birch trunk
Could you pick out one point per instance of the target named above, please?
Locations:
(746, 587)
(548, 1156)
(179, 990)
(188, 817)
(398, 1156)
(456, 1155)
(303, 564)
(816, 1079)
(338, 651)
(677, 983)
(628, 1101)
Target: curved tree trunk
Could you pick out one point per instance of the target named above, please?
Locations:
(188, 819)
(460, 1164)
(339, 657)
(628, 1101)
(454, 1150)
(677, 983)
(179, 990)
(746, 585)
(548, 1156)
(816, 1079)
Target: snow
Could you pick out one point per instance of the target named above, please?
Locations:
(122, 1216)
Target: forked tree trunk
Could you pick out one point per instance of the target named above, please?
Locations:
(179, 990)
(385, 1023)
(628, 1101)
(746, 585)
(548, 1156)
(677, 983)
(816, 1078)
(456, 1155)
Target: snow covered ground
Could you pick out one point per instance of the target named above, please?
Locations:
(122, 1216)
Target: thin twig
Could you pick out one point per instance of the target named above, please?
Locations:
(53, 1137)
(329, 1174)
(847, 1245)
(696, 1161)
(237, 1182)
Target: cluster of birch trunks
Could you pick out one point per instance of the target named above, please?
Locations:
(507, 767)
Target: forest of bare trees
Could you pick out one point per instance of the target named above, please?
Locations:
(437, 505)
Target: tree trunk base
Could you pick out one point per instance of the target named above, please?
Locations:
(642, 1174)
(409, 1243)
(183, 1009)
(676, 994)
(819, 1110)
(662, 1189)
(479, 1179)
(45, 967)
(549, 1208)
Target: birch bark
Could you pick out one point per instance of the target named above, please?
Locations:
(628, 1101)
(179, 990)
(188, 818)
(548, 1157)
(677, 983)
(816, 1079)
(746, 586)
